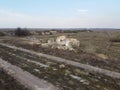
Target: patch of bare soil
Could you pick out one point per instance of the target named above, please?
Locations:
(103, 56)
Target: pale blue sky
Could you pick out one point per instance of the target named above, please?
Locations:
(60, 13)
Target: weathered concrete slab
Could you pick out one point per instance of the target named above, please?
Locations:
(25, 78)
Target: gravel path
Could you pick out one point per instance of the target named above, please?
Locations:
(72, 63)
(25, 78)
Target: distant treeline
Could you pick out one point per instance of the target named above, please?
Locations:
(22, 32)
(74, 31)
(26, 31)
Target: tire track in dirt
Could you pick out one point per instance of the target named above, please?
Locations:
(72, 63)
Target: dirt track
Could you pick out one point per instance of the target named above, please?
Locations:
(72, 63)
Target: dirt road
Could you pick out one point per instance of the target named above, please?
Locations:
(72, 63)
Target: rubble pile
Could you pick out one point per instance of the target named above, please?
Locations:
(62, 42)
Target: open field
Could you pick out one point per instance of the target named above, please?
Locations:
(75, 77)
(95, 49)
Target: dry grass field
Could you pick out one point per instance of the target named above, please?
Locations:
(97, 48)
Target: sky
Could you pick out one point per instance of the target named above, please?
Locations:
(60, 13)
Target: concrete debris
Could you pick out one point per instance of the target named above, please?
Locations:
(62, 66)
(37, 70)
(80, 79)
(62, 42)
